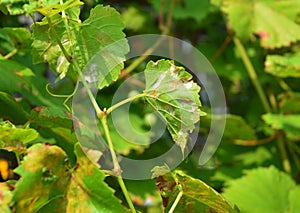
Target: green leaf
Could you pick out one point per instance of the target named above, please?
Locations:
(88, 192)
(99, 32)
(44, 178)
(185, 9)
(5, 198)
(289, 102)
(288, 123)
(171, 92)
(19, 38)
(294, 199)
(196, 195)
(236, 129)
(13, 139)
(14, 76)
(261, 190)
(55, 123)
(13, 7)
(272, 20)
(283, 66)
(11, 110)
(82, 41)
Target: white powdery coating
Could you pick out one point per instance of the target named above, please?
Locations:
(188, 85)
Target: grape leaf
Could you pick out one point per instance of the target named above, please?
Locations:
(48, 182)
(283, 66)
(5, 198)
(185, 9)
(261, 190)
(82, 41)
(272, 20)
(13, 139)
(294, 200)
(13, 7)
(289, 102)
(11, 110)
(88, 192)
(171, 92)
(54, 123)
(288, 123)
(44, 177)
(14, 76)
(196, 195)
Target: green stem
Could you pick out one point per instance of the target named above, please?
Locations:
(98, 111)
(117, 169)
(11, 54)
(252, 74)
(112, 108)
(176, 202)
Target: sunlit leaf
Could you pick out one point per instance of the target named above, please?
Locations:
(13, 139)
(44, 178)
(288, 123)
(283, 66)
(261, 190)
(196, 195)
(13, 7)
(88, 192)
(5, 198)
(171, 92)
(272, 20)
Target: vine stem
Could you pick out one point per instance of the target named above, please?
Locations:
(98, 111)
(176, 202)
(165, 30)
(11, 54)
(253, 76)
(109, 110)
(117, 169)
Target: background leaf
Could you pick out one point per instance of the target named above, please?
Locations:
(271, 188)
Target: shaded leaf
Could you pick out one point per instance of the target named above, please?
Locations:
(283, 66)
(171, 92)
(196, 195)
(14, 76)
(13, 7)
(54, 123)
(186, 8)
(10, 109)
(261, 190)
(289, 102)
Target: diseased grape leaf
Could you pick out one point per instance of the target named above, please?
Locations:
(262, 190)
(14, 139)
(53, 123)
(48, 182)
(171, 92)
(5, 198)
(88, 192)
(288, 123)
(196, 195)
(283, 65)
(272, 20)
(44, 177)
